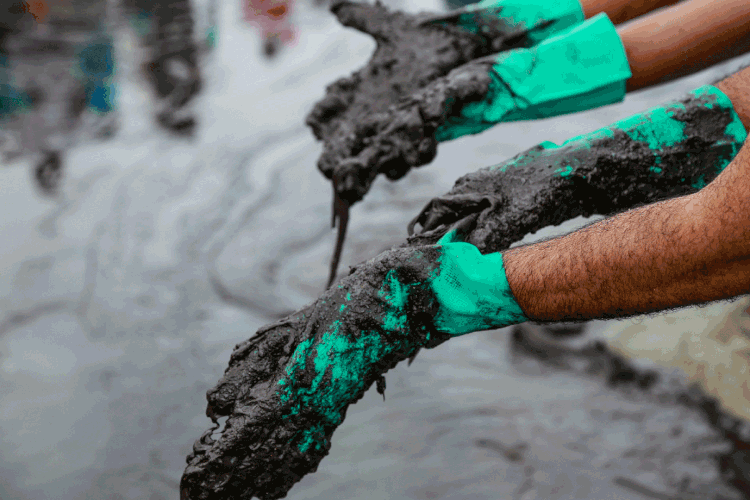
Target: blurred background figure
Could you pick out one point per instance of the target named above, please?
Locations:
(271, 17)
(58, 73)
(171, 67)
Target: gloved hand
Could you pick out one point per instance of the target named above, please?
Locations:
(418, 87)
(471, 289)
(582, 68)
(414, 52)
(287, 388)
(667, 151)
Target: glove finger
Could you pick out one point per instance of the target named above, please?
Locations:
(460, 231)
(367, 18)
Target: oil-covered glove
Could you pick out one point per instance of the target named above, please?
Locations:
(413, 51)
(420, 62)
(670, 150)
(581, 68)
(287, 388)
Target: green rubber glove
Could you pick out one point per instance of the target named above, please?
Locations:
(393, 129)
(663, 131)
(536, 20)
(581, 68)
(472, 290)
(288, 387)
(670, 150)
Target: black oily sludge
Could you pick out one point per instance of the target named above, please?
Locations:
(413, 51)
(276, 393)
(287, 388)
(668, 151)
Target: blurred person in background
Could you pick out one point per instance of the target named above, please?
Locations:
(172, 62)
(271, 17)
(58, 74)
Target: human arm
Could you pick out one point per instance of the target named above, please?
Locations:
(287, 388)
(737, 88)
(368, 131)
(609, 171)
(674, 253)
(620, 11)
(683, 251)
(667, 151)
(684, 39)
(670, 254)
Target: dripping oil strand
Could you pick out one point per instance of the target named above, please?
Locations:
(340, 213)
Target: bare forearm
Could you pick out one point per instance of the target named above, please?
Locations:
(620, 11)
(684, 38)
(671, 254)
(678, 252)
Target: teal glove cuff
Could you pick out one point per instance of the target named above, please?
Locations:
(472, 290)
(587, 64)
(581, 68)
(538, 18)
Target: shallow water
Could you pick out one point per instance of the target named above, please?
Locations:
(113, 326)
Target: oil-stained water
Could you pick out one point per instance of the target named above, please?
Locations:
(121, 300)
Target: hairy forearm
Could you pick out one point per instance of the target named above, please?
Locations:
(678, 252)
(620, 11)
(684, 38)
(675, 253)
